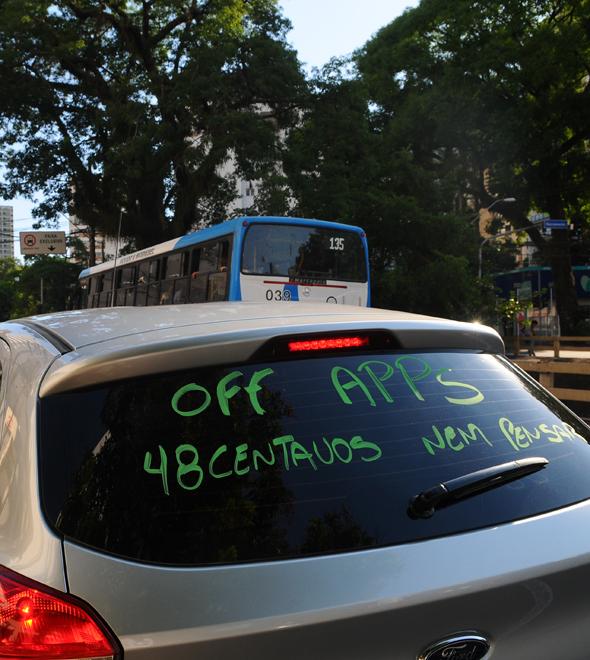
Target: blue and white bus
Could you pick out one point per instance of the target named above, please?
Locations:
(249, 258)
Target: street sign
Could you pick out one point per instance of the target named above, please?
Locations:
(536, 218)
(555, 224)
(42, 242)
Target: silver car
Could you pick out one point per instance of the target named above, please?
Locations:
(285, 481)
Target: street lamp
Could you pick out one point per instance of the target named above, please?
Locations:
(508, 200)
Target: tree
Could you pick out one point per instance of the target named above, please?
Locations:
(9, 295)
(500, 85)
(348, 162)
(47, 284)
(126, 110)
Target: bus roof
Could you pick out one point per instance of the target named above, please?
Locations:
(209, 233)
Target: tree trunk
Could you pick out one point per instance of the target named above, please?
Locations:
(147, 215)
(91, 246)
(559, 257)
(563, 280)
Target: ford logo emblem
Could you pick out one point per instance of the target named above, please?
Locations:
(461, 646)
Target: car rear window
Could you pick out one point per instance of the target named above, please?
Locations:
(300, 457)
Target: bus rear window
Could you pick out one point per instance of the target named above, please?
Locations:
(303, 253)
(300, 457)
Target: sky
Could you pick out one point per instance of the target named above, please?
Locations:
(322, 29)
(327, 28)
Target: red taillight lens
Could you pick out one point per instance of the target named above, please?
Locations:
(327, 343)
(40, 622)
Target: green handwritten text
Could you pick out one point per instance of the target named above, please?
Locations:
(454, 438)
(467, 401)
(192, 471)
(225, 391)
(518, 436)
(413, 370)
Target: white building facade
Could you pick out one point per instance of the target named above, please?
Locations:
(105, 246)
(6, 232)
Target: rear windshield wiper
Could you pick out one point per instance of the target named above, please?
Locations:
(426, 502)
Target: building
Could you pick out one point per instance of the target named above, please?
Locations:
(244, 202)
(6, 232)
(105, 246)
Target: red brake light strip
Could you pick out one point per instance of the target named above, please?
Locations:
(328, 343)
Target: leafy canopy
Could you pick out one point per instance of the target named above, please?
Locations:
(500, 86)
(134, 108)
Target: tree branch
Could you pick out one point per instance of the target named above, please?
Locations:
(192, 13)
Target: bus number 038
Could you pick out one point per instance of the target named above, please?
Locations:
(277, 294)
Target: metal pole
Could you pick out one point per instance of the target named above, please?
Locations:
(480, 255)
(116, 255)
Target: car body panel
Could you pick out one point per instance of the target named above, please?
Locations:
(521, 585)
(223, 332)
(84, 327)
(28, 545)
(509, 582)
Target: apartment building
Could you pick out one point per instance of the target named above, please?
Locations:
(105, 246)
(6, 232)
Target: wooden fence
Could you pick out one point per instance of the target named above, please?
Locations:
(514, 345)
(565, 360)
(547, 369)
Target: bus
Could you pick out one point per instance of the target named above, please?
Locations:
(248, 258)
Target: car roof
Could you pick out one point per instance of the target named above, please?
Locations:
(78, 328)
(103, 345)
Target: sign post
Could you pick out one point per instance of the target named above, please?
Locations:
(42, 242)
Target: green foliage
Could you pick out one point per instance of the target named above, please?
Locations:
(60, 282)
(510, 309)
(348, 162)
(442, 285)
(136, 106)
(52, 278)
(496, 84)
(9, 295)
(401, 142)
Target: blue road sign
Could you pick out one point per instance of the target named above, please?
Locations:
(555, 224)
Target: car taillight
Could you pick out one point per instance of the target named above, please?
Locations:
(328, 343)
(321, 344)
(37, 621)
